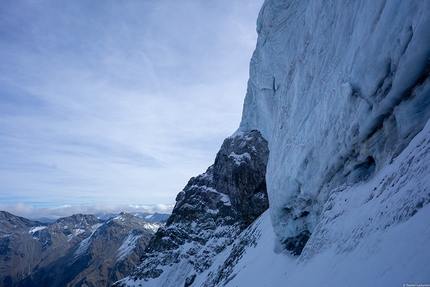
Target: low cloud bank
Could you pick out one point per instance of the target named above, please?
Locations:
(32, 212)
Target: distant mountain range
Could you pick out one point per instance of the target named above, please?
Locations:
(150, 217)
(79, 250)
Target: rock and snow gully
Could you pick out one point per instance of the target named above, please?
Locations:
(340, 90)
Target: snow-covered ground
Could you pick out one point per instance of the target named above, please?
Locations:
(372, 234)
(84, 244)
(128, 245)
(36, 228)
(75, 232)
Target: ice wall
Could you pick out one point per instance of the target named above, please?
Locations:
(338, 89)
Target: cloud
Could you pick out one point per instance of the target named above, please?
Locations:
(117, 102)
(29, 211)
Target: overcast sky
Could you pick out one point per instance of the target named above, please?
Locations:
(107, 104)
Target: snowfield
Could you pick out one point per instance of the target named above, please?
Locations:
(371, 234)
(36, 229)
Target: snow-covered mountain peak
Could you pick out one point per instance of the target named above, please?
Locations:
(77, 250)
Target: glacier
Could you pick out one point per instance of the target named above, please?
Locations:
(340, 92)
(338, 89)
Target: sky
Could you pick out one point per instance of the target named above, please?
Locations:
(112, 106)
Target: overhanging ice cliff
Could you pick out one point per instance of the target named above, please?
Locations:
(337, 88)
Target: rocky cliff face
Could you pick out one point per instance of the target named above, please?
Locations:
(211, 211)
(79, 250)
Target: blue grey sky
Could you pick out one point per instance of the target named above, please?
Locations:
(107, 104)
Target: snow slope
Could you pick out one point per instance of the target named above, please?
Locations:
(337, 88)
(371, 234)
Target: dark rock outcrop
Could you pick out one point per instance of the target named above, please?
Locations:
(238, 173)
(210, 212)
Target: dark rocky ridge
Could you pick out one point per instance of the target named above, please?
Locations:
(239, 172)
(210, 212)
(79, 250)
